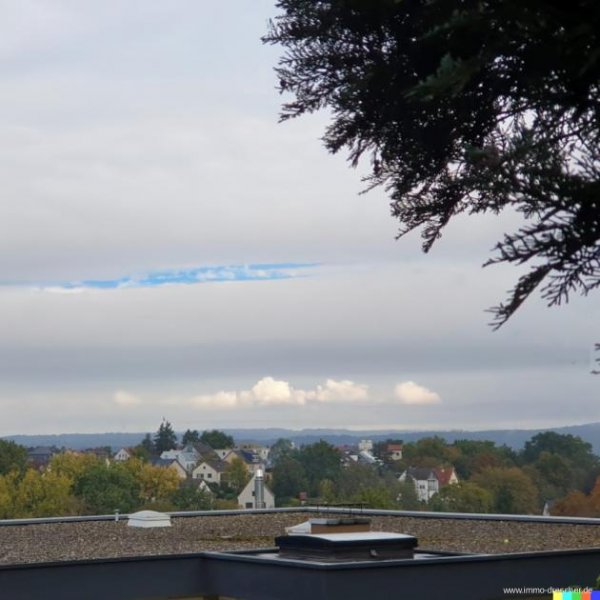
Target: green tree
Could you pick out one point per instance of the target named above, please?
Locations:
(563, 461)
(217, 439)
(13, 457)
(190, 437)
(280, 449)
(468, 108)
(568, 446)
(190, 497)
(464, 496)
(106, 488)
(236, 475)
(553, 475)
(512, 490)
(148, 445)
(165, 438)
(474, 456)
(289, 479)
(407, 496)
(320, 461)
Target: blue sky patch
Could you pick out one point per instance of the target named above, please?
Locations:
(210, 274)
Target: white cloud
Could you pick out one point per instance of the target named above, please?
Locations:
(273, 392)
(126, 399)
(218, 400)
(341, 391)
(409, 392)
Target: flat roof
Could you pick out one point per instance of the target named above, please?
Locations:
(88, 539)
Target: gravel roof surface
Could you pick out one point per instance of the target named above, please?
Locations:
(109, 539)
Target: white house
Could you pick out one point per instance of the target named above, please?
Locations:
(394, 451)
(429, 481)
(246, 498)
(187, 457)
(123, 454)
(365, 445)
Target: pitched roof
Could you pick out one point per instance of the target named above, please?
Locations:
(421, 473)
(164, 462)
(444, 474)
(216, 463)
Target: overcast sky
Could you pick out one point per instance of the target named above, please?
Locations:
(167, 249)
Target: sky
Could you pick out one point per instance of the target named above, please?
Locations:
(169, 250)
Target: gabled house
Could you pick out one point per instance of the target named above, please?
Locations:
(188, 457)
(123, 454)
(223, 453)
(394, 451)
(427, 481)
(247, 497)
(210, 470)
(446, 476)
(252, 460)
(261, 451)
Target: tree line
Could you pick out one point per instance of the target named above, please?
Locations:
(558, 470)
(551, 469)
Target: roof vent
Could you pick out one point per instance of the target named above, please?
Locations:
(371, 545)
(341, 525)
(149, 518)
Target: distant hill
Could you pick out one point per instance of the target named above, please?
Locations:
(515, 438)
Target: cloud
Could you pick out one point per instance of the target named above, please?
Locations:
(341, 391)
(409, 392)
(273, 392)
(126, 399)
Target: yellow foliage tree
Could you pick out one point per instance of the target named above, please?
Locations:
(72, 464)
(8, 488)
(44, 495)
(157, 484)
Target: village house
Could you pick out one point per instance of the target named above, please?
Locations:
(170, 463)
(210, 470)
(247, 497)
(123, 454)
(188, 457)
(427, 481)
(393, 451)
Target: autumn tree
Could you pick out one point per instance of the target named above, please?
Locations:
(469, 108)
(72, 464)
(45, 494)
(156, 484)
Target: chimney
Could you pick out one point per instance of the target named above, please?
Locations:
(259, 489)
